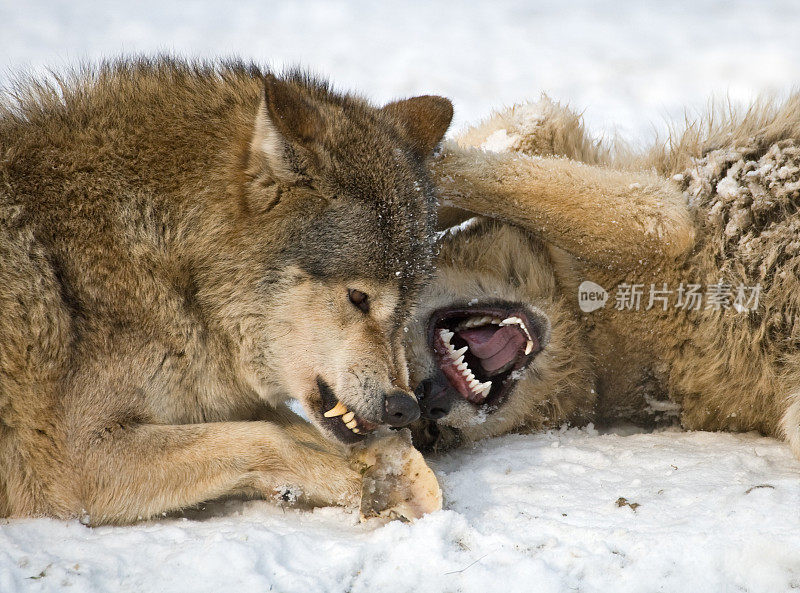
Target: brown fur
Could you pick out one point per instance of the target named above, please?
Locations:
(177, 242)
(654, 217)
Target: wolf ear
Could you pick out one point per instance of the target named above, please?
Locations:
(284, 116)
(424, 120)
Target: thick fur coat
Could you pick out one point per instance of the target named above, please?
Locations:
(182, 248)
(719, 202)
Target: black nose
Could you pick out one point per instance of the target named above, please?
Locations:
(401, 409)
(434, 400)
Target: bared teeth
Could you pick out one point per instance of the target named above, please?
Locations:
(516, 321)
(348, 417)
(457, 356)
(519, 322)
(336, 410)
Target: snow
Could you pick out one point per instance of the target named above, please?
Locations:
(545, 512)
(499, 141)
(629, 64)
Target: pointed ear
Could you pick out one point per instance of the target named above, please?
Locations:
(284, 116)
(424, 120)
(295, 118)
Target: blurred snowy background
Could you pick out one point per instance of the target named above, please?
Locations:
(629, 63)
(563, 511)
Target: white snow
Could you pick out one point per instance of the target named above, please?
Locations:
(717, 512)
(499, 141)
(728, 188)
(629, 64)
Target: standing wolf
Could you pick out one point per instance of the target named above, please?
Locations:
(183, 247)
(707, 234)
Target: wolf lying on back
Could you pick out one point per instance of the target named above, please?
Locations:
(181, 248)
(500, 343)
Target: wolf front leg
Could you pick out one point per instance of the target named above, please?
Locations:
(127, 473)
(397, 483)
(601, 215)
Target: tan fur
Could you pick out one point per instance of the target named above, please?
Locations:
(622, 218)
(490, 260)
(177, 242)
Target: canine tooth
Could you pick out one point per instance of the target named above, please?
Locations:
(352, 424)
(528, 348)
(336, 410)
(520, 323)
(460, 351)
(459, 361)
(485, 387)
(348, 417)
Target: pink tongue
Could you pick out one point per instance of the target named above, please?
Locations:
(495, 346)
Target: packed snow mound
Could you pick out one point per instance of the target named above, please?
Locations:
(569, 510)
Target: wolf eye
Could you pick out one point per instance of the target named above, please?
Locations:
(359, 299)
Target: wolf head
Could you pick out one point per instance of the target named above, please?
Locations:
(494, 346)
(338, 189)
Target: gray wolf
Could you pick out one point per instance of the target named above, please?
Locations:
(501, 343)
(183, 247)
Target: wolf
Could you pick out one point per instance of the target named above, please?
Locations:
(521, 328)
(184, 247)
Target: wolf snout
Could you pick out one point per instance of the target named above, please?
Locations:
(401, 408)
(434, 400)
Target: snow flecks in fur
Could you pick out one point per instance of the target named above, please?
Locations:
(542, 128)
(747, 200)
(499, 141)
(750, 195)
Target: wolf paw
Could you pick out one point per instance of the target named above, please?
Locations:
(397, 483)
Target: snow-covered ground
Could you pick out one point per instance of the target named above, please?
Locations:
(715, 512)
(544, 513)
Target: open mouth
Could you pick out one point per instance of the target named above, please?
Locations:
(480, 349)
(344, 424)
